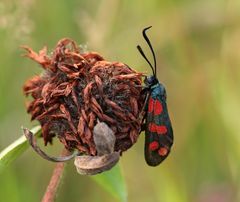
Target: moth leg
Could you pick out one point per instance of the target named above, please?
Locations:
(32, 141)
(145, 90)
(142, 114)
(143, 127)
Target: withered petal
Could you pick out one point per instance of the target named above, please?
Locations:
(77, 89)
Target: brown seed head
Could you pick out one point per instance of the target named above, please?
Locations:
(77, 89)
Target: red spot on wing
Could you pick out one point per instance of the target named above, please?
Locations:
(153, 146)
(160, 130)
(158, 108)
(150, 105)
(152, 127)
(163, 151)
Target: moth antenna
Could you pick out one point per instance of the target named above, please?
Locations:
(151, 48)
(144, 56)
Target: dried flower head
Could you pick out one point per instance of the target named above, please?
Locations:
(77, 89)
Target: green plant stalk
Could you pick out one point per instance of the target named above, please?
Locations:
(14, 150)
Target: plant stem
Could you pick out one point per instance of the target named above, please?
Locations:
(55, 180)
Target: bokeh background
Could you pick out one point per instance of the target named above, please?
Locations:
(197, 46)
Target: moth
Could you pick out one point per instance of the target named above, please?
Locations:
(156, 121)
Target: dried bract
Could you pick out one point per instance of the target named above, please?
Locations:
(104, 138)
(92, 165)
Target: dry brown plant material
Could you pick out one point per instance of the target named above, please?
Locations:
(77, 89)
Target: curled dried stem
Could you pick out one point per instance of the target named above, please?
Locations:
(32, 141)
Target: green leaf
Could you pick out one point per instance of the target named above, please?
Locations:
(15, 149)
(113, 182)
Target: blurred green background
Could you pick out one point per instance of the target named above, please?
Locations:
(197, 47)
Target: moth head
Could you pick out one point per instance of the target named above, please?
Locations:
(150, 80)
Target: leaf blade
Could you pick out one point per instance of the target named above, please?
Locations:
(113, 182)
(10, 153)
